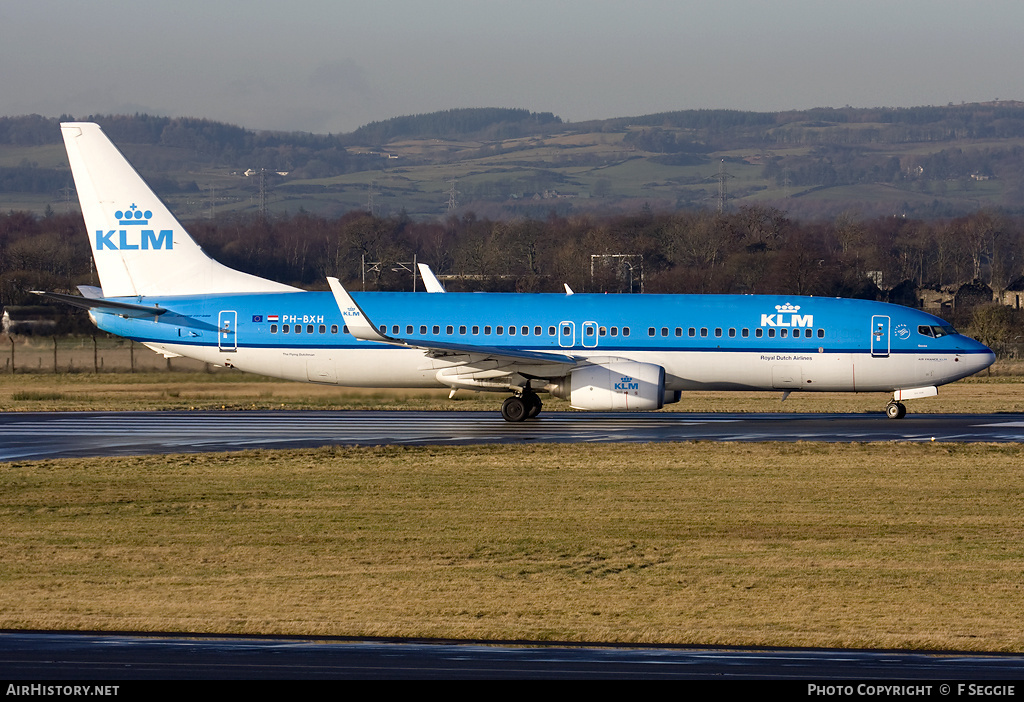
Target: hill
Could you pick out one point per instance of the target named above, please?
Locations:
(921, 162)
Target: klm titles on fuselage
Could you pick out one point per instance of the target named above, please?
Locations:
(785, 316)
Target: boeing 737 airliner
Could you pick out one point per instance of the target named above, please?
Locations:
(600, 352)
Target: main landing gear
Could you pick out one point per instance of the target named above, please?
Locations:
(520, 407)
(895, 410)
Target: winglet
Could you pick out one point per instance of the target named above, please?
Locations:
(430, 280)
(356, 320)
(568, 290)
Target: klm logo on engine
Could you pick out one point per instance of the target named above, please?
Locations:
(627, 383)
(134, 239)
(786, 316)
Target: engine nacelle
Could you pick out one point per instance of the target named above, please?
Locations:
(618, 385)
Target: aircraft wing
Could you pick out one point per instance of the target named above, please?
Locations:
(361, 327)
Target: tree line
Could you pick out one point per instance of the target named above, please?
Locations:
(756, 250)
(753, 250)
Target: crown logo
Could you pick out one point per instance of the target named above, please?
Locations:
(786, 308)
(133, 215)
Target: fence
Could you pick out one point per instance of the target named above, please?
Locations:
(54, 354)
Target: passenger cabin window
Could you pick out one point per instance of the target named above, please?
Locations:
(273, 328)
(551, 331)
(703, 331)
(476, 329)
(537, 331)
(692, 331)
(625, 331)
(449, 330)
(745, 333)
(821, 333)
(650, 331)
(759, 333)
(334, 329)
(732, 332)
(615, 331)
(462, 329)
(323, 328)
(436, 329)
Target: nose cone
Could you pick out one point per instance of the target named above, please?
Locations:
(976, 357)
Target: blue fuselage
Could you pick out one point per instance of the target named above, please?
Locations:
(834, 344)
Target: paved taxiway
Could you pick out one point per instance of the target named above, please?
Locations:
(62, 434)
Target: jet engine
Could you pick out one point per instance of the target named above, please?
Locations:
(614, 386)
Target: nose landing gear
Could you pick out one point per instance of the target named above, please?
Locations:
(895, 410)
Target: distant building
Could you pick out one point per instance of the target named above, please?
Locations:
(1013, 295)
(937, 302)
(971, 295)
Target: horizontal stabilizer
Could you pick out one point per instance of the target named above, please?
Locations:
(91, 291)
(125, 309)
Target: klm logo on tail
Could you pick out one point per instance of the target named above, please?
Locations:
(140, 239)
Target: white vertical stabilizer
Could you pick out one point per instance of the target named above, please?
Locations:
(140, 248)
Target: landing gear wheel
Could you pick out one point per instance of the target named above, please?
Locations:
(514, 409)
(533, 404)
(896, 410)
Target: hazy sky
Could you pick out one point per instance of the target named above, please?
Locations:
(333, 65)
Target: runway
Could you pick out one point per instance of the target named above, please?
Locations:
(33, 436)
(77, 656)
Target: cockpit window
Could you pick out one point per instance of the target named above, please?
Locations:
(936, 331)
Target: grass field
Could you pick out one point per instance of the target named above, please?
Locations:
(912, 546)
(884, 545)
